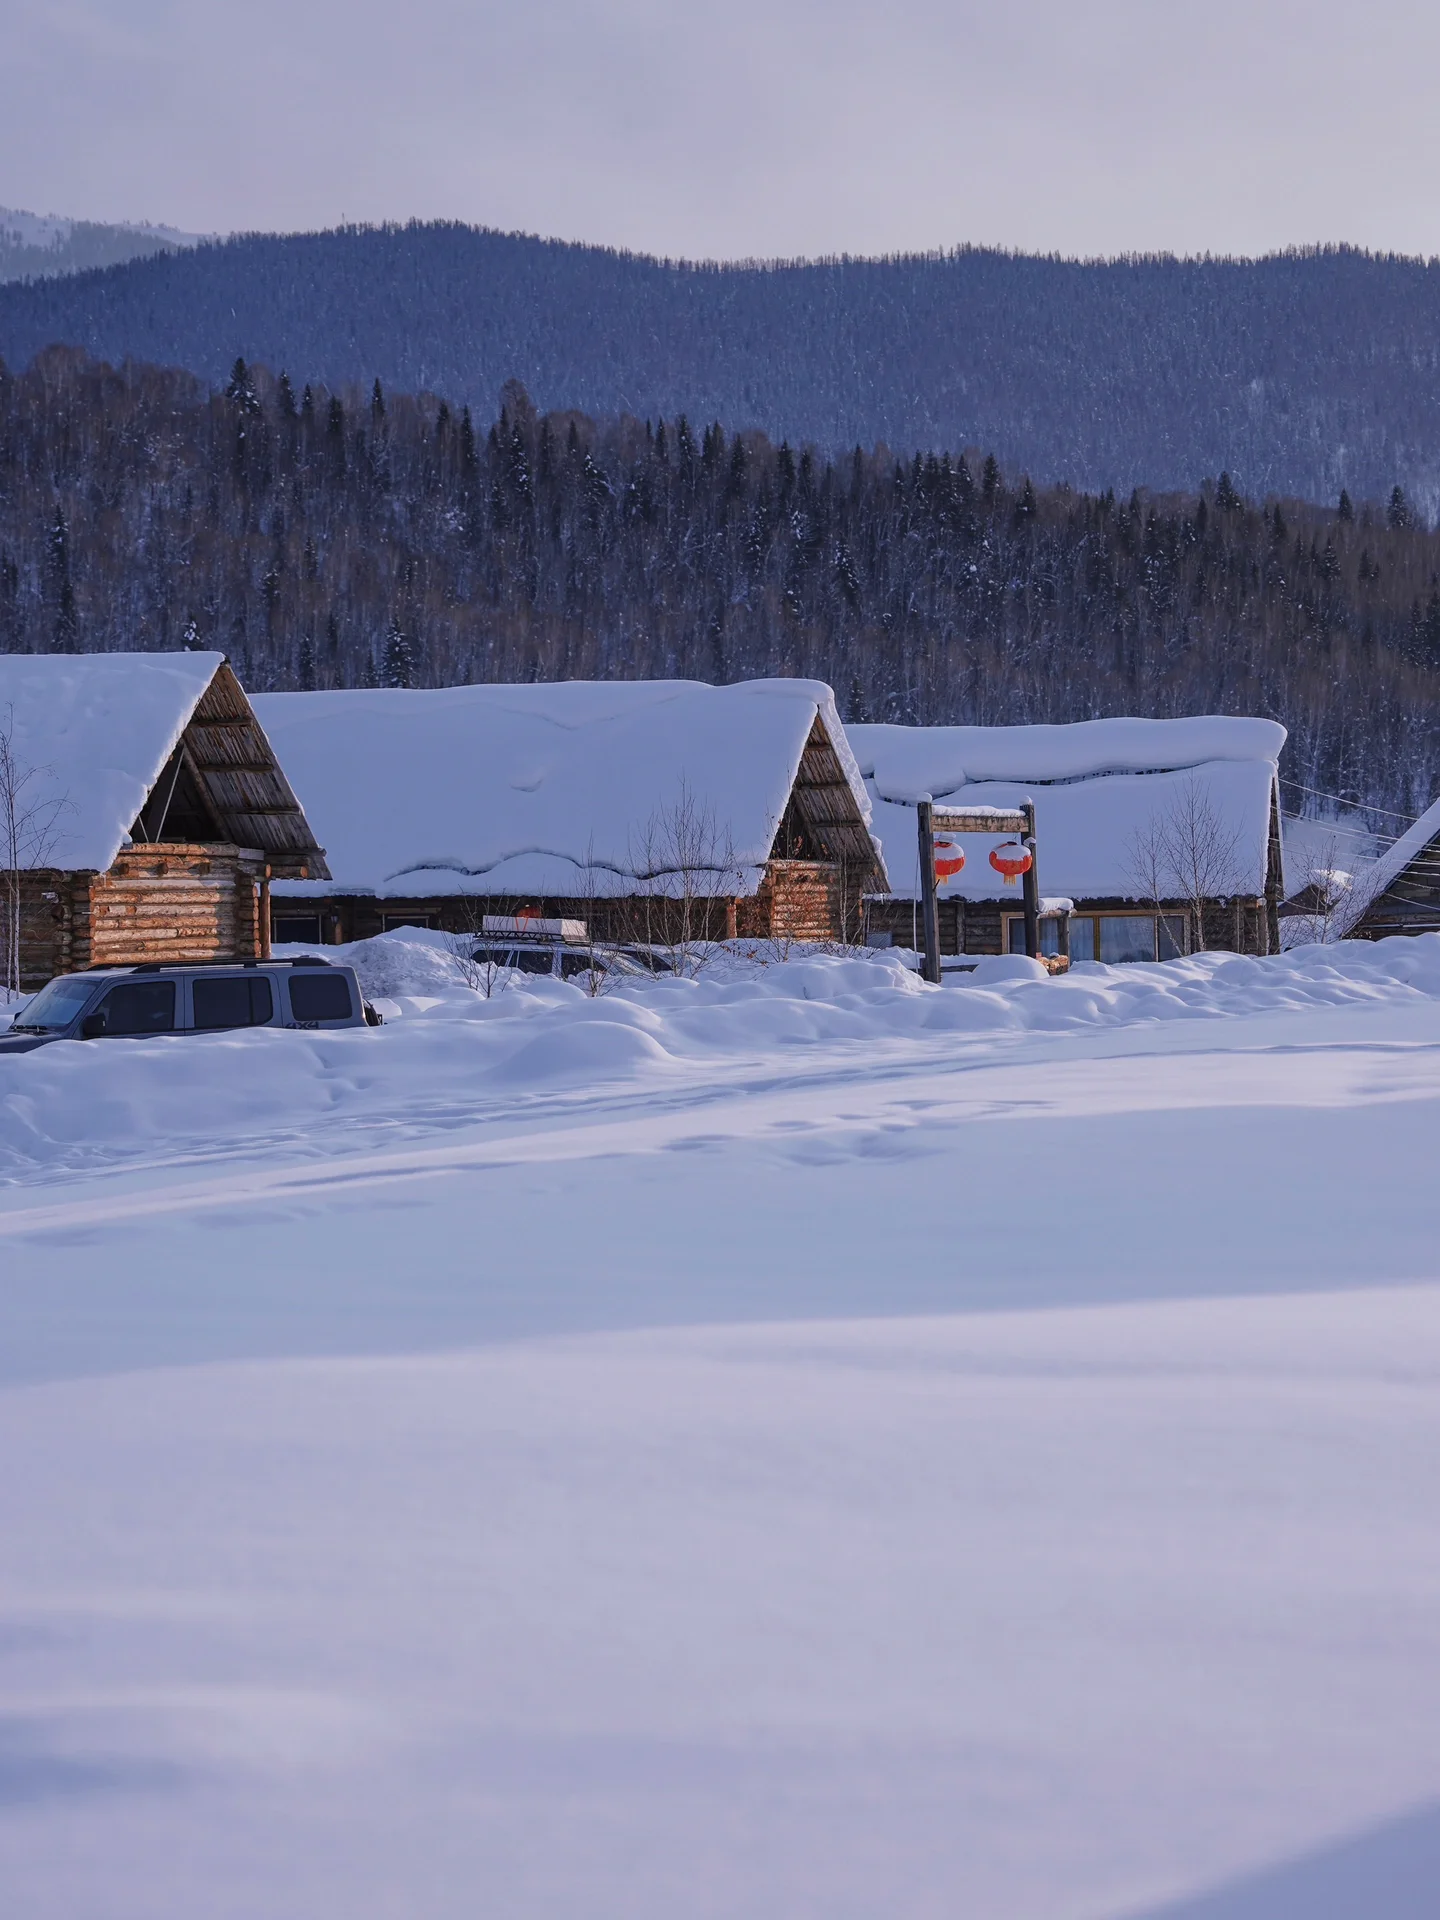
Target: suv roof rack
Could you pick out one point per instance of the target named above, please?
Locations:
(167, 966)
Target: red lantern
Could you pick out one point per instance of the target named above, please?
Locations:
(949, 859)
(1011, 860)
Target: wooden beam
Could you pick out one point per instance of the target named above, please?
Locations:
(981, 820)
(925, 820)
(1031, 884)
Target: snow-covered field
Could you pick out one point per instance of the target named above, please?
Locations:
(795, 1443)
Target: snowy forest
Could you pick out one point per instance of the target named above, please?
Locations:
(1298, 374)
(367, 537)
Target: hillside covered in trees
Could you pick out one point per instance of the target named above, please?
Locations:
(328, 539)
(1299, 374)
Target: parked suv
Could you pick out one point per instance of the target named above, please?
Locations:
(130, 1002)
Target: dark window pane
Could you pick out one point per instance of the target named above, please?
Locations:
(1172, 936)
(319, 996)
(392, 922)
(232, 1000)
(572, 964)
(222, 1003)
(1049, 935)
(1127, 936)
(298, 929)
(529, 961)
(140, 1006)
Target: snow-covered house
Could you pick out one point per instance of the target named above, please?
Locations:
(1148, 827)
(142, 812)
(1400, 893)
(740, 806)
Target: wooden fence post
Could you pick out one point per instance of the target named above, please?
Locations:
(1032, 886)
(924, 814)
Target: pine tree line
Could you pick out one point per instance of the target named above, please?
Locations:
(362, 538)
(1303, 373)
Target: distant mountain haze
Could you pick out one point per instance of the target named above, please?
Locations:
(1299, 374)
(33, 245)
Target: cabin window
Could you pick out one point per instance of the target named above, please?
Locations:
(1049, 934)
(1115, 938)
(140, 1006)
(392, 922)
(319, 996)
(297, 930)
(232, 1000)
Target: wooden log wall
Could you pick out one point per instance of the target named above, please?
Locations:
(177, 902)
(797, 900)
(54, 925)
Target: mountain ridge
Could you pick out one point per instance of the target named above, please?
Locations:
(1300, 373)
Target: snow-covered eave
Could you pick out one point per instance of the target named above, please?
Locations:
(1369, 886)
(1079, 903)
(942, 795)
(610, 883)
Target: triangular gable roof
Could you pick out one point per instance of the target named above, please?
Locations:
(97, 730)
(1402, 886)
(1097, 786)
(550, 790)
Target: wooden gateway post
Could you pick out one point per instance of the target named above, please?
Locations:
(931, 820)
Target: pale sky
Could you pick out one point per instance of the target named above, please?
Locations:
(762, 127)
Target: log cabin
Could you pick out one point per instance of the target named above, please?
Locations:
(144, 813)
(630, 806)
(1153, 837)
(1400, 893)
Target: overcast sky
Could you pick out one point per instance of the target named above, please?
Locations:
(757, 127)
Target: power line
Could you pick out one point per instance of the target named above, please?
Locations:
(1357, 806)
(1349, 833)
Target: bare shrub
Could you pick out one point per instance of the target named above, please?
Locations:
(1188, 852)
(29, 832)
(686, 868)
(1329, 894)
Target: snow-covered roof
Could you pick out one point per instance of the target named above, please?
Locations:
(95, 730)
(1378, 878)
(1097, 786)
(906, 762)
(546, 791)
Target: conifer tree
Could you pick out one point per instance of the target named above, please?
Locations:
(399, 664)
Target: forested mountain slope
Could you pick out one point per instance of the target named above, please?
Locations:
(329, 539)
(1300, 374)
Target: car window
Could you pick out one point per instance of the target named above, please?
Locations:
(534, 960)
(232, 1000)
(572, 964)
(140, 1006)
(56, 1006)
(320, 996)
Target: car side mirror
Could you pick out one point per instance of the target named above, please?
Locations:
(92, 1026)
